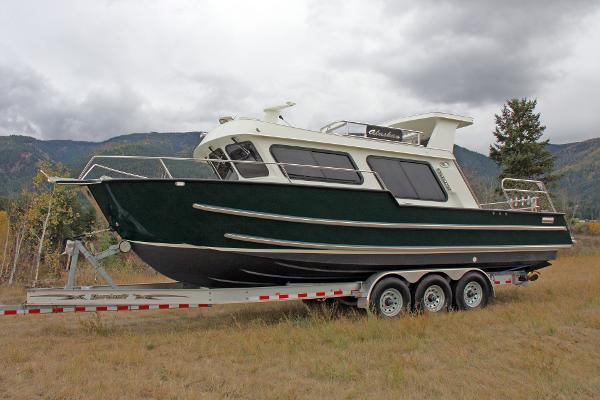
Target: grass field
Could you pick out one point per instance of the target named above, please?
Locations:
(538, 342)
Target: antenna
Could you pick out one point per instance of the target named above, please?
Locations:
(283, 119)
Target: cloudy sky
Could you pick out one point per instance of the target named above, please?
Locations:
(90, 70)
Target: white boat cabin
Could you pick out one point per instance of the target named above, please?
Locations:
(411, 157)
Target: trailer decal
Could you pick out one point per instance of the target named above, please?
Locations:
(57, 310)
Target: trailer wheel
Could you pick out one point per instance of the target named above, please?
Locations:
(433, 295)
(472, 291)
(390, 298)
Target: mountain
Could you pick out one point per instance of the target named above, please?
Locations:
(579, 187)
(476, 165)
(579, 163)
(578, 190)
(20, 156)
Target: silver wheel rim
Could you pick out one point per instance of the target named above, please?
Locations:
(434, 298)
(473, 294)
(391, 302)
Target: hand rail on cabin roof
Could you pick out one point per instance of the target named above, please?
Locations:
(336, 125)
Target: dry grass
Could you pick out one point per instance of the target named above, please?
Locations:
(540, 342)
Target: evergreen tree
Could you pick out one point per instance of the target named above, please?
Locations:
(518, 149)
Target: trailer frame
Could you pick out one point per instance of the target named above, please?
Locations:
(178, 295)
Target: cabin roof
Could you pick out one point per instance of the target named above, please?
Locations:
(437, 128)
(246, 127)
(426, 123)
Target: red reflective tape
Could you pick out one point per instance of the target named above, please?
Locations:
(338, 292)
(143, 307)
(162, 306)
(122, 308)
(263, 297)
(302, 295)
(10, 312)
(203, 305)
(509, 281)
(284, 296)
(101, 308)
(58, 310)
(34, 311)
(320, 294)
(79, 309)
(184, 306)
(497, 282)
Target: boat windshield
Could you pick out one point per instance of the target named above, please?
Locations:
(224, 170)
(245, 151)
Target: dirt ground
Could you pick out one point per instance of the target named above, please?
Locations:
(537, 342)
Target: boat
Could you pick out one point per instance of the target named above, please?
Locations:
(265, 203)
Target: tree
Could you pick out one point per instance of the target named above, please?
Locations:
(518, 149)
(6, 240)
(40, 220)
(19, 212)
(52, 208)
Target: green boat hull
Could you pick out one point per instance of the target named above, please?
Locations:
(229, 233)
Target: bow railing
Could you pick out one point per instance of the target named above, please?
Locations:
(196, 168)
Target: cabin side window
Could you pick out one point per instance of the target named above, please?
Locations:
(408, 179)
(245, 151)
(316, 157)
(223, 169)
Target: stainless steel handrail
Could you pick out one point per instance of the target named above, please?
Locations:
(523, 199)
(336, 125)
(89, 166)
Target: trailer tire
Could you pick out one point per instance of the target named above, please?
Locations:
(433, 295)
(390, 298)
(472, 291)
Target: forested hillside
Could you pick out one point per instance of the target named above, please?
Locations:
(21, 155)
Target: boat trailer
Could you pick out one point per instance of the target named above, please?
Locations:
(177, 295)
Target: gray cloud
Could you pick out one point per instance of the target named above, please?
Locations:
(473, 52)
(164, 66)
(487, 51)
(29, 104)
(21, 92)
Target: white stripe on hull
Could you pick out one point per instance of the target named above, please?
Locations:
(343, 249)
(366, 224)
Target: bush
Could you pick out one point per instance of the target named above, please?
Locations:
(593, 228)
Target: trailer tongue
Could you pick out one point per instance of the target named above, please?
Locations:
(388, 294)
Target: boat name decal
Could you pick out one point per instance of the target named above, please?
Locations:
(108, 296)
(379, 132)
(443, 178)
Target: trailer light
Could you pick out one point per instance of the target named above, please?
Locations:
(533, 276)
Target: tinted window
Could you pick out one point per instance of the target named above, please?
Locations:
(323, 158)
(246, 151)
(223, 169)
(408, 179)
